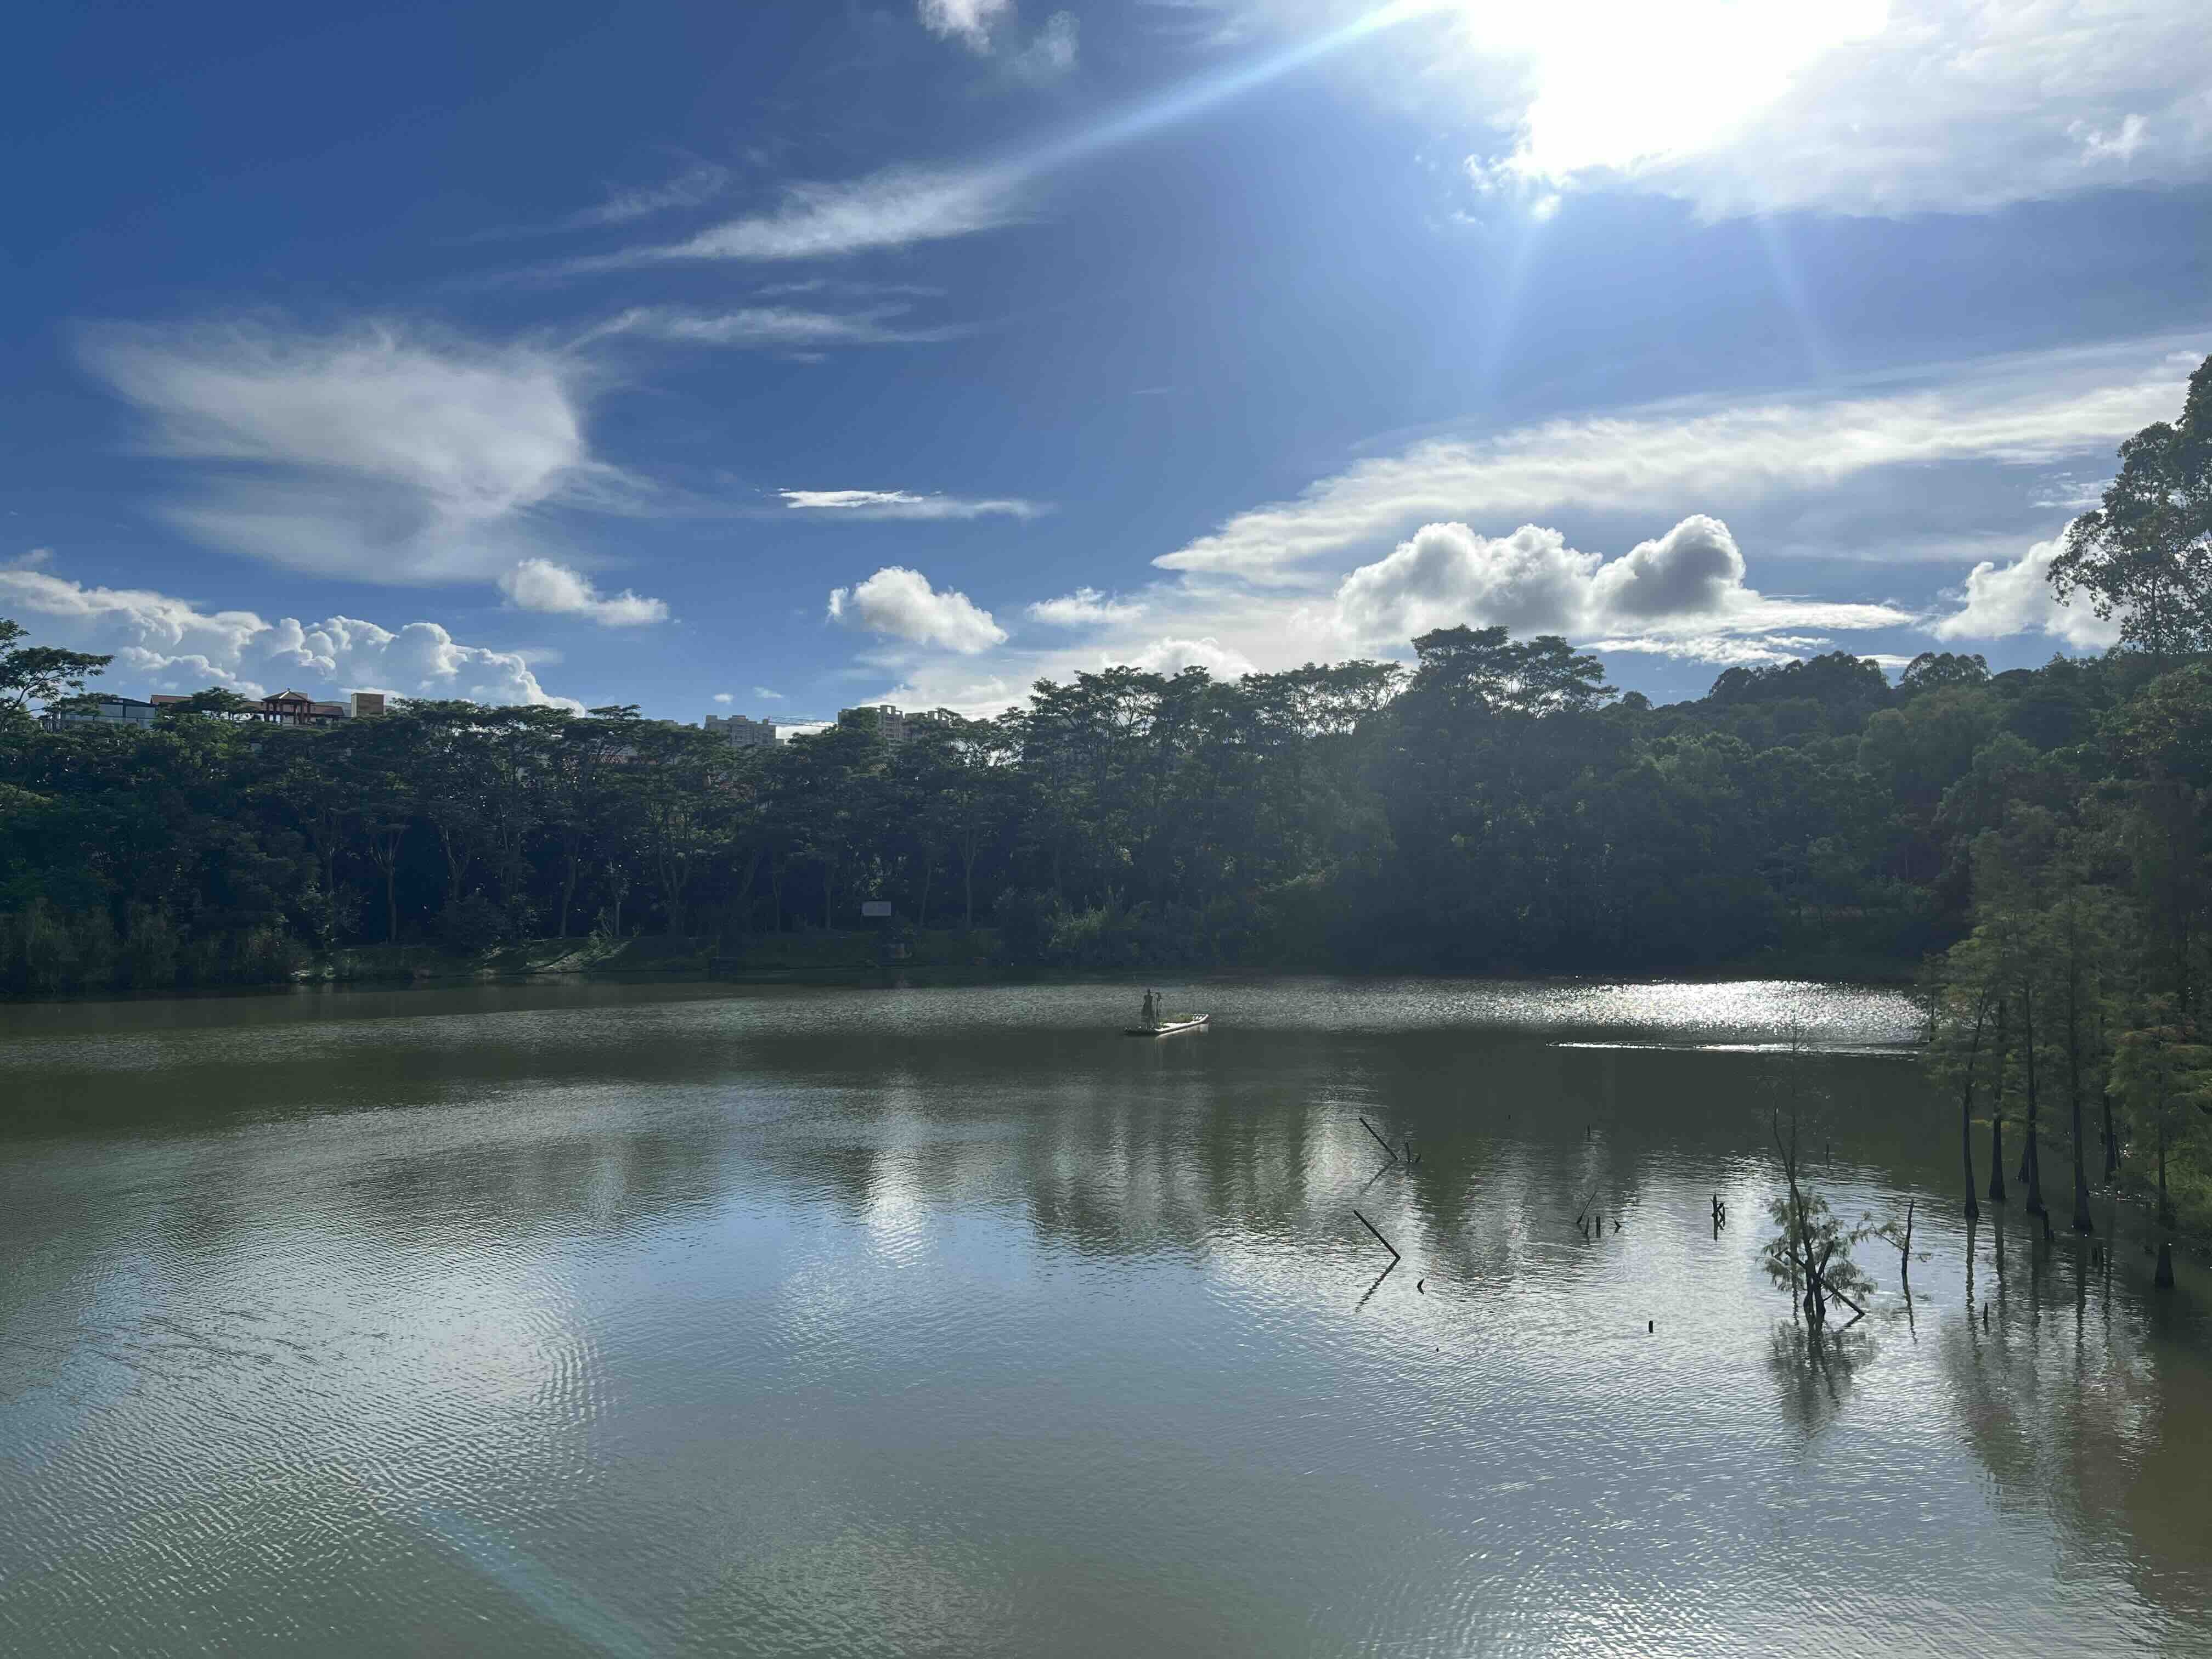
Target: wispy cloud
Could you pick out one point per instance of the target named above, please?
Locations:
(990, 28)
(694, 187)
(899, 207)
(969, 21)
(1086, 607)
(1049, 53)
(381, 454)
(903, 504)
(772, 328)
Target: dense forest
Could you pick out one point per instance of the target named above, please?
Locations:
(2041, 836)
(1494, 807)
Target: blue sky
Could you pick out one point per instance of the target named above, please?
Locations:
(775, 358)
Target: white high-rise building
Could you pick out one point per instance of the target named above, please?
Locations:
(889, 722)
(742, 732)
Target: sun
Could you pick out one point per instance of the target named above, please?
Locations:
(1623, 84)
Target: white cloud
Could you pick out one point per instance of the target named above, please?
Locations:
(983, 25)
(1861, 106)
(693, 187)
(902, 504)
(1051, 53)
(1172, 656)
(771, 327)
(374, 454)
(978, 699)
(1086, 607)
(1725, 650)
(542, 586)
(2001, 600)
(969, 21)
(894, 209)
(724, 697)
(2039, 411)
(900, 602)
(1686, 586)
(762, 692)
(168, 644)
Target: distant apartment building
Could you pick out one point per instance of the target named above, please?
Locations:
(890, 723)
(894, 725)
(742, 732)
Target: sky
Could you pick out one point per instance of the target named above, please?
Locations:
(771, 359)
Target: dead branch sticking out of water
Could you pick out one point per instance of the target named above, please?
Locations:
(1395, 1257)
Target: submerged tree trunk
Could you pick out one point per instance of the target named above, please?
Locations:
(2083, 1222)
(2164, 1200)
(967, 852)
(571, 873)
(1996, 1117)
(1966, 1113)
(2032, 1160)
(383, 852)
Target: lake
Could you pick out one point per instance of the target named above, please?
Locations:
(632, 1319)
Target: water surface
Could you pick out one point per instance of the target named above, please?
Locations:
(570, 1319)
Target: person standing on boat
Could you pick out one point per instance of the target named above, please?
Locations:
(1152, 1010)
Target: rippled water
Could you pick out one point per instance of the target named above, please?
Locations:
(640, 1321)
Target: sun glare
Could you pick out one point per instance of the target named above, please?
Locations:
(1623, 83)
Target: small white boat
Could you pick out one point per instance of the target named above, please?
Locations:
(1169, 1027)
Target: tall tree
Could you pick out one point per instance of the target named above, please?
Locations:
(2144, 554)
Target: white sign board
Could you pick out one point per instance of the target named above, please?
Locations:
(876, 908)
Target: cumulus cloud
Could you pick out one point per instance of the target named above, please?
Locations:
(373, 454)
(1086, 607)
(1171, 656)
(1687, 584)
(900, 603)
(724, 696)
(169, 644)
(767, 695)
(903, 504)
(2037, 411)
(2003, 600)
(542, 586)
(896, 208)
